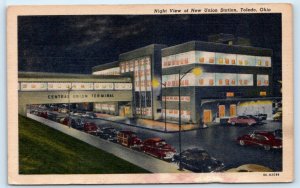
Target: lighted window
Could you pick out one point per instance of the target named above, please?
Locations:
(227, 61)
(206, 79)
(229, 94)
(201, 59)
(262, 80)
(245, 79)
(263, 93)
(227, 79)
(233, 61)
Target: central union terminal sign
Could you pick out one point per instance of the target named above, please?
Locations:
(50, 97)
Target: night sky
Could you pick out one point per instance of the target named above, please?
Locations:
(74, 44)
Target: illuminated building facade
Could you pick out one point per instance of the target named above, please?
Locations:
(233, 80)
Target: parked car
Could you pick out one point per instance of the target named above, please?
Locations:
(158, 147)
(108, 133)
(78, 124)
(277, 116)
(262, 116)
(198, 160)
(241, 120)
(43, 114)
(91, 115)
(128, 139)
(278, 133)
(66, 120)
(63, 110)
(264, 139)
(91, 128)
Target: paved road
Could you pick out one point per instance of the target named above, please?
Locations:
(138, 158)
(219, 141)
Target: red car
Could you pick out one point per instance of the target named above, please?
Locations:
(264, 139)
(43, 114)
(242, 120)
(91, 128)
(128, 139)
(158, 148)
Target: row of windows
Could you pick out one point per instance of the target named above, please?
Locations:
(135, 64)
(43, 86)
(203, 57)
(111, 71)
(170, 113)
(216, 79)
(176, 98)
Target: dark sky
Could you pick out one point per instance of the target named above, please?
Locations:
(74, 44)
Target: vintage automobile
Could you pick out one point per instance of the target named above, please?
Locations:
(128, 139)
(278, 133)
(108, 133)
(198, 160)
(43, 114)
(264, 139)
(262, 116)
(158, 147)
(241, 120)
(78, 124)
(256, 118)
(91, 128)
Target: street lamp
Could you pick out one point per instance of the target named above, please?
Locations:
(196, 71)
(156, 84)
(69, 114)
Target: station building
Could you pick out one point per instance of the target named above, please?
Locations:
(234, 80)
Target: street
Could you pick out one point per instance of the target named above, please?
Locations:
(218, 141)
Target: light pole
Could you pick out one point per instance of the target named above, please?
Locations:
(165, 94)
(195, 71)
(69, 114)
(156, 84)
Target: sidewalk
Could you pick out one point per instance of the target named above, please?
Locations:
(148, 124)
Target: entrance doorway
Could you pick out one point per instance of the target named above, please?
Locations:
(207, 116)
(221, 111)
(232, 110)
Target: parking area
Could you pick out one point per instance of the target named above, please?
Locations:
(218, 140)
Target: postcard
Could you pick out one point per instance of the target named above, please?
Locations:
(150, 94)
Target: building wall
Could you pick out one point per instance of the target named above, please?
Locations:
(224, 75)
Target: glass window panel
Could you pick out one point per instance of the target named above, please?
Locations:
(246, 60)
(203, 57)
(245, 80)
(262, 80)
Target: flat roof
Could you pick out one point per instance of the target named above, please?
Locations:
(105, 66)
(216, 47)
(140, 52)
(65, 77)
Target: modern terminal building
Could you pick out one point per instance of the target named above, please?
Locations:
(234, 79)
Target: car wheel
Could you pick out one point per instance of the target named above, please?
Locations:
(242, 143)
(267, 147)
(249, 124)
(233, 123)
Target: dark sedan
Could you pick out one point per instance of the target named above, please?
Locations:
(108, 133)
(198, 160)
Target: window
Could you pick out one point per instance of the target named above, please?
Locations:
(225, 59)
(245, 80)
(262, 61)
(203, 57)
(206, 79)
(262, 80)
(226, 79)
(246, 60)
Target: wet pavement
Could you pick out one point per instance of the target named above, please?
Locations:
(218, 140)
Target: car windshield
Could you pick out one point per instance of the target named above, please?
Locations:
(160, 144)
